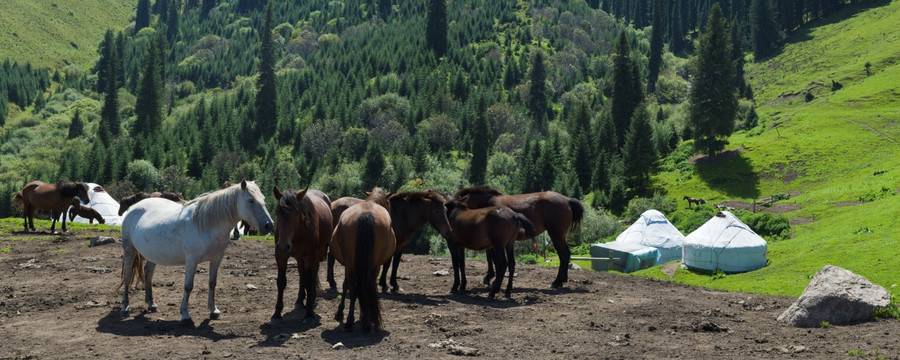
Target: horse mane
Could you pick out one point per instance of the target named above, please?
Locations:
(215, 205)
(288, 201)
(477, 189)
(67, 189)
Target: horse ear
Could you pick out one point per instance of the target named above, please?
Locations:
(301, 194)
(276, 192)
(244, 184)
(368, 193)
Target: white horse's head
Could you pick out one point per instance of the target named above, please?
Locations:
(251, 206)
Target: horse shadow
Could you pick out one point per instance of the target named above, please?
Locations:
(292, 322)
(353, 339)
(140, 325)
(413, 298)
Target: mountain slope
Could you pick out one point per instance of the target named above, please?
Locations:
(834, 149)
(48, 33)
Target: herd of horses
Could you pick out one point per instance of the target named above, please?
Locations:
(361, 234)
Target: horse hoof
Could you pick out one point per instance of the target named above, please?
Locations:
(153, 309)
(123, 314)
(215, 315)
(396, 290)
(556, 285)
(187, 322)
(309, 320)
(275, 320)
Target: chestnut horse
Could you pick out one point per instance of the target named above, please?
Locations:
(302, 231)
(363, 240)
(85, 212)
(496, 228)
(549, 211)
(54, 197)
(694, 201)
(133, 199)
(409, 212)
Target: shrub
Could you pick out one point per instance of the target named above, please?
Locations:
(437, 246)
(143, 175)
(527, 259)
(776, 227)
(637, 206)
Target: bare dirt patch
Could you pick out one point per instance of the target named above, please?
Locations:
(802, 220)
(847, 203)
(64, 305)
(776, 208)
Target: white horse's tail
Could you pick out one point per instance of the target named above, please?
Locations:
(137, 271)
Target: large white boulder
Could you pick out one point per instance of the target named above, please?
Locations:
(837, 296)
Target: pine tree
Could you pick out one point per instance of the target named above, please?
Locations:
(480, 144)
(149, 100)
(76, 127)
(627, 92)
(384, 9)
(656, 43)
(4, 103)
(120, 65)
(374, 165)
(436, 27)
(266, 115)
(538, 91)
(161, 8)
(142, 15)
(109, 115)
(639, 152)
(762, 29)
(172, 21)
(737, 55)
(582, 156)
(713, 99)
(205, 7)
(101, 67)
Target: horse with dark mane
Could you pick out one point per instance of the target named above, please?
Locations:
(54, 197)
(694, 201)
(549, 211)
(134, 199)
(409, 212)
(363, 240)
(302, 231)
(85, 212)
(495, 228)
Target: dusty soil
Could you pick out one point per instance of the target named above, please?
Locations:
(58, 300)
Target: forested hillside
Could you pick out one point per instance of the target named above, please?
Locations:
(345, 95)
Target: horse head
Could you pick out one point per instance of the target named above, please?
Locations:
(380, 197)
(435, 203)
(289, 218)
(82, 191)
(251, 206)
(477, 196)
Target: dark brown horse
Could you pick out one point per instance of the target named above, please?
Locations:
(694, 201)
(127, 202)
(409, 212)
(363, 240)
(496, 228)
(85, 212)
(548, 211)
(303, 228)
(337, 208)
(54, 197)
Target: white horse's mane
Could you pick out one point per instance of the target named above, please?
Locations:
(214, 206)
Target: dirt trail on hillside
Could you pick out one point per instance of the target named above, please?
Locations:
(58, 300)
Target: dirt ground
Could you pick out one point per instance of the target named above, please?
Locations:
(58, 300)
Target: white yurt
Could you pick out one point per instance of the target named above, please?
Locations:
(653, 229)
(103, 203)
(724, 243)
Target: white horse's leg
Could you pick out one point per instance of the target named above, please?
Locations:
(190, 268)
(127, 274)
(214, 312)
(149, 267)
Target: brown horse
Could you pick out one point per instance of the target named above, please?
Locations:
(409, 212)
(694, 201)
(85, 212)
(337, 208)
(548, 211)
(54, 197)
(363, 240)
(496, 228)
(134, 199)
(302, 231)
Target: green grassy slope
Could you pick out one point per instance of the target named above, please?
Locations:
(829, 153)
(49, 33)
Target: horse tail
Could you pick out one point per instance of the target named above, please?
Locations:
(137, 270)
(577, 213)
(525, 225)
(365, 272)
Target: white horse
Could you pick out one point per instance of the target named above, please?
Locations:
(168, 233)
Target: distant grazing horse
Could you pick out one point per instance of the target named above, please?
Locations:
(409, 212)
(133, 199)
(694, 201)
(54, 197)
(168, 233)
(495, 227)
(548, 210)
(303, 230)
(363, 240)
(85, 212)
